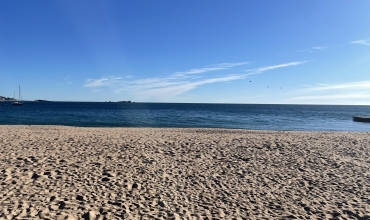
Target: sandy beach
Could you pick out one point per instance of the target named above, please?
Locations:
(56, 172)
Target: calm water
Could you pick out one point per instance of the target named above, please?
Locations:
(245, 116)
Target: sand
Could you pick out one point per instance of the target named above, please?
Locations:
(56, 172)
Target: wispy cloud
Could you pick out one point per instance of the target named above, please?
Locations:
(102, 82)
(319, 48)
(213, 67)
(349, 93)
(363, 41)
(263, 69)
(313, 49)
(163, 88)
(337, 97)
(342, 86)
(67, 79)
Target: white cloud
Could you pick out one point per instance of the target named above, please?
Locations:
(342, 86)
(102, 82)
(166, 88)
(213, 67)
(319, 48)
(163, 88)
(228, 65)
(263, 69)
(313, 49)
(337, 97)
(67, 79)
(363, 41)
(201, 70)
(340, 93)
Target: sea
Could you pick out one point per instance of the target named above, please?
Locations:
(185, 115)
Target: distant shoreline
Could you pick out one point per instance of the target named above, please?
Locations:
(195, 103)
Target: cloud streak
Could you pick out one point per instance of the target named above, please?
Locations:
(342, 86)
(166, 88)
(214, 67)
(163, 88)
(313, 49)
(350, 93)
(102, 82)
(363, 42)
(334, 96)
(67, 79)
(263, 69)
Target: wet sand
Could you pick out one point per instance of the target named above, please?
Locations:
(56, 172)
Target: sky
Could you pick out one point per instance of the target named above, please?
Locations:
(240, 51)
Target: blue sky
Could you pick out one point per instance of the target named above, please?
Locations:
(284, 52)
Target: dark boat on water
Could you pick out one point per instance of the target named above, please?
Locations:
(361, 118)
(41, 100)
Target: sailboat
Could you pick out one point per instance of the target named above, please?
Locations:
(19, 101)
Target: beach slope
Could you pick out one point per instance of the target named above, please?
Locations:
(56, 172)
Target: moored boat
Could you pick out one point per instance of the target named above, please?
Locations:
(19, 101)
(361, 118)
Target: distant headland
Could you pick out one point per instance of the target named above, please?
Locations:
(41, 100)
(3, 98)
(8, 99)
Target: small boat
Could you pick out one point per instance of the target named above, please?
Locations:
(19, 101)
(41, 100)
(361, 118)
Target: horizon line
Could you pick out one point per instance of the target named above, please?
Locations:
(212, 103)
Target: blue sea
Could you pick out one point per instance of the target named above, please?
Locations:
(177, 115)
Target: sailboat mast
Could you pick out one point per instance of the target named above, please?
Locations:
(19, 98)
